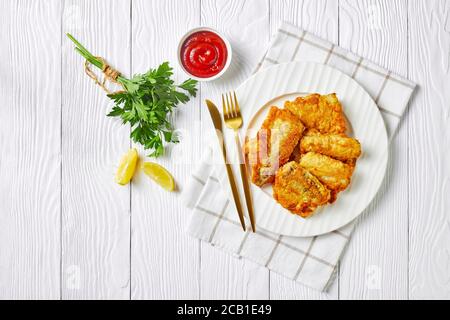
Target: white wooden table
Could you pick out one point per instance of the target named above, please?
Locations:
(68, 231)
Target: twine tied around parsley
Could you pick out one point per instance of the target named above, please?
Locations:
(146, 101)
(109, 73)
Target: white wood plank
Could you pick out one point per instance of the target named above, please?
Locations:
(321, 19)
(429, 147)
(375, 265)
(95, 210)
(30, 149)
(165, 260)
(246, 25)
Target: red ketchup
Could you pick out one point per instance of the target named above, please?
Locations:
(204, 54)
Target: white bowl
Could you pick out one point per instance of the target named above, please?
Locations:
(227, 44)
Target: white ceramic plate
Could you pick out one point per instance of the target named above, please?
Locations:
(276, 84)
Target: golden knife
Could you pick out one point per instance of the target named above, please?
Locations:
(217, 121)
(233, 120)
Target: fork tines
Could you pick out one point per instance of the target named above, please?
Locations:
(230, 106)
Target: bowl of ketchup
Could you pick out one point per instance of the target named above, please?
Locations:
(204, 54)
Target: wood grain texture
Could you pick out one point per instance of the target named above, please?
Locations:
(165, 260)
(30, 149)
(319, 18)
(429, 147)
(95, 210)
(375, 265)
(246, 26)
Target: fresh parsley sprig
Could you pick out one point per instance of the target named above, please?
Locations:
(146, 102)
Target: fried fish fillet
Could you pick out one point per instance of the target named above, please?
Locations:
(334, 174)
(337, 146)
(278, 136)
(297, 190)
(321, 112)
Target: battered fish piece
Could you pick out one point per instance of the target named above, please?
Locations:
(321, 112)
(274, 143)
(337, 146)
(334, 174)
(297, 190)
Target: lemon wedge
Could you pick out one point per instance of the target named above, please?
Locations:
(159, 174)
(127, 166)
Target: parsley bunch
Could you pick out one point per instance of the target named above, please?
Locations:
(146, 102)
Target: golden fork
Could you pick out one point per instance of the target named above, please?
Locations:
(233, 120)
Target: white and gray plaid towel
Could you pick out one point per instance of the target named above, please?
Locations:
(309, 260)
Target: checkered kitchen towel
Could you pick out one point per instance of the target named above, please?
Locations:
(309, 260)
